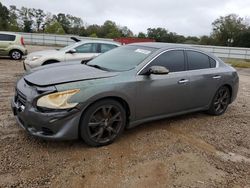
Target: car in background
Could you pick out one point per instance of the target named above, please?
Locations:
(121, 88)
(82, 50)
(12, 45)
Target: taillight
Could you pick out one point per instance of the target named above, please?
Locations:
(22, 41)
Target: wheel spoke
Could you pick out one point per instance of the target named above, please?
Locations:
(106, 110)
(95, 124)
(111, 129)
(218, 107)
(98, 133)
(116, 117)
(216, 103)
(224, 95)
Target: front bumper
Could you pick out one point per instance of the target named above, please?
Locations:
(61, 125)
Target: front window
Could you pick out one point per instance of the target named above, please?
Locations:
(66, 48)
(173, 60)
(122, 58)
(87, 48)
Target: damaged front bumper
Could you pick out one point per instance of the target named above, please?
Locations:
(61, 125)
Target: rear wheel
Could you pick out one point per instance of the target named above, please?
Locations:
(102, 122)
(16, 54)
(220, 101)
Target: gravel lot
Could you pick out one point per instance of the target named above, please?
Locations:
(195, 150)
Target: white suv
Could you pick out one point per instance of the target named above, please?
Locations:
(83, 50)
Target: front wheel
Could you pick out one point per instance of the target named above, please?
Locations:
(15, 54)
(102, 122)
(220, 101)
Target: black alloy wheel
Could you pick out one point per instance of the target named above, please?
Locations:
(220, 101)
(103, 122)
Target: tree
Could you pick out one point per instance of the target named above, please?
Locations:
(243, 39)
(206, 40)
(92, 29)
(13, 19)
(126, 32)
(110, 30)
(54, 27)
(4, 17)
(141, 35)
(64, 21)
(192, 40)
(226, 29)
(39, 16)
(159, 34)
(26, 15)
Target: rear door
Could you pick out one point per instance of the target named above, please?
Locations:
(106, 47)
(6, 40)
(205, 78)
(83, 52)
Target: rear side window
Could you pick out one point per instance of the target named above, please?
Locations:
(173, 60)
(87, 48)
(197, 60)
(212, 62)
(5, 37)
(106, 47)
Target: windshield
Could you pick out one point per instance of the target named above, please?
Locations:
(68, 47)
(122, 58)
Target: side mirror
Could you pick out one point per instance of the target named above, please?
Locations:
(157, 70)
(72, 51)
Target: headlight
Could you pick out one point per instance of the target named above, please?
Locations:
(35, 57)
(58, 100)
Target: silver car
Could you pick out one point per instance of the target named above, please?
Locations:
(83, 50)
(122, 88)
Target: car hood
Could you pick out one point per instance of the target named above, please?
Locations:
(65, 73)
(43, 53)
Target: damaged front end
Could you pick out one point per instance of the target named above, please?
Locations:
(46, 123)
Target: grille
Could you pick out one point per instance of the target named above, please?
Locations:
(20, 97)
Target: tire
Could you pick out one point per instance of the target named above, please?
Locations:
(50, 62)
(220, 101)
(16, 54)
(102, 123)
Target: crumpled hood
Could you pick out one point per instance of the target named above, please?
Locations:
(65, 73)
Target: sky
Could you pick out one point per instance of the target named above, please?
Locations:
(186, 17)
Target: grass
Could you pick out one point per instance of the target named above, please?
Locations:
(239, 63)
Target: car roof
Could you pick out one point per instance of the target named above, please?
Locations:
(99, 41)
(8, 33)
(165, 46)
(162, 45)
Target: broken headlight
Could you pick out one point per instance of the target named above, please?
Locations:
(58, 100)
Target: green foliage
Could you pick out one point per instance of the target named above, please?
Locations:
(4, 17)
(55, 27)
(226, 29)
(238, 63)
(141, 35)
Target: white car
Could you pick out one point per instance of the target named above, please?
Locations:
(83, 50)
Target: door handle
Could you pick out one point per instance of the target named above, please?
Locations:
(216, 77)
(183, 81)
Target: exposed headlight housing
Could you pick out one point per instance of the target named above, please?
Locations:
(58, 100)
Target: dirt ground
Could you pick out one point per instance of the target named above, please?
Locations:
(195, 150)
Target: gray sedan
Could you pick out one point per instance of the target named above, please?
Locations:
(122, 88)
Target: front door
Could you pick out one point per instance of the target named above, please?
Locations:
(83, 52)
(164, 94)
